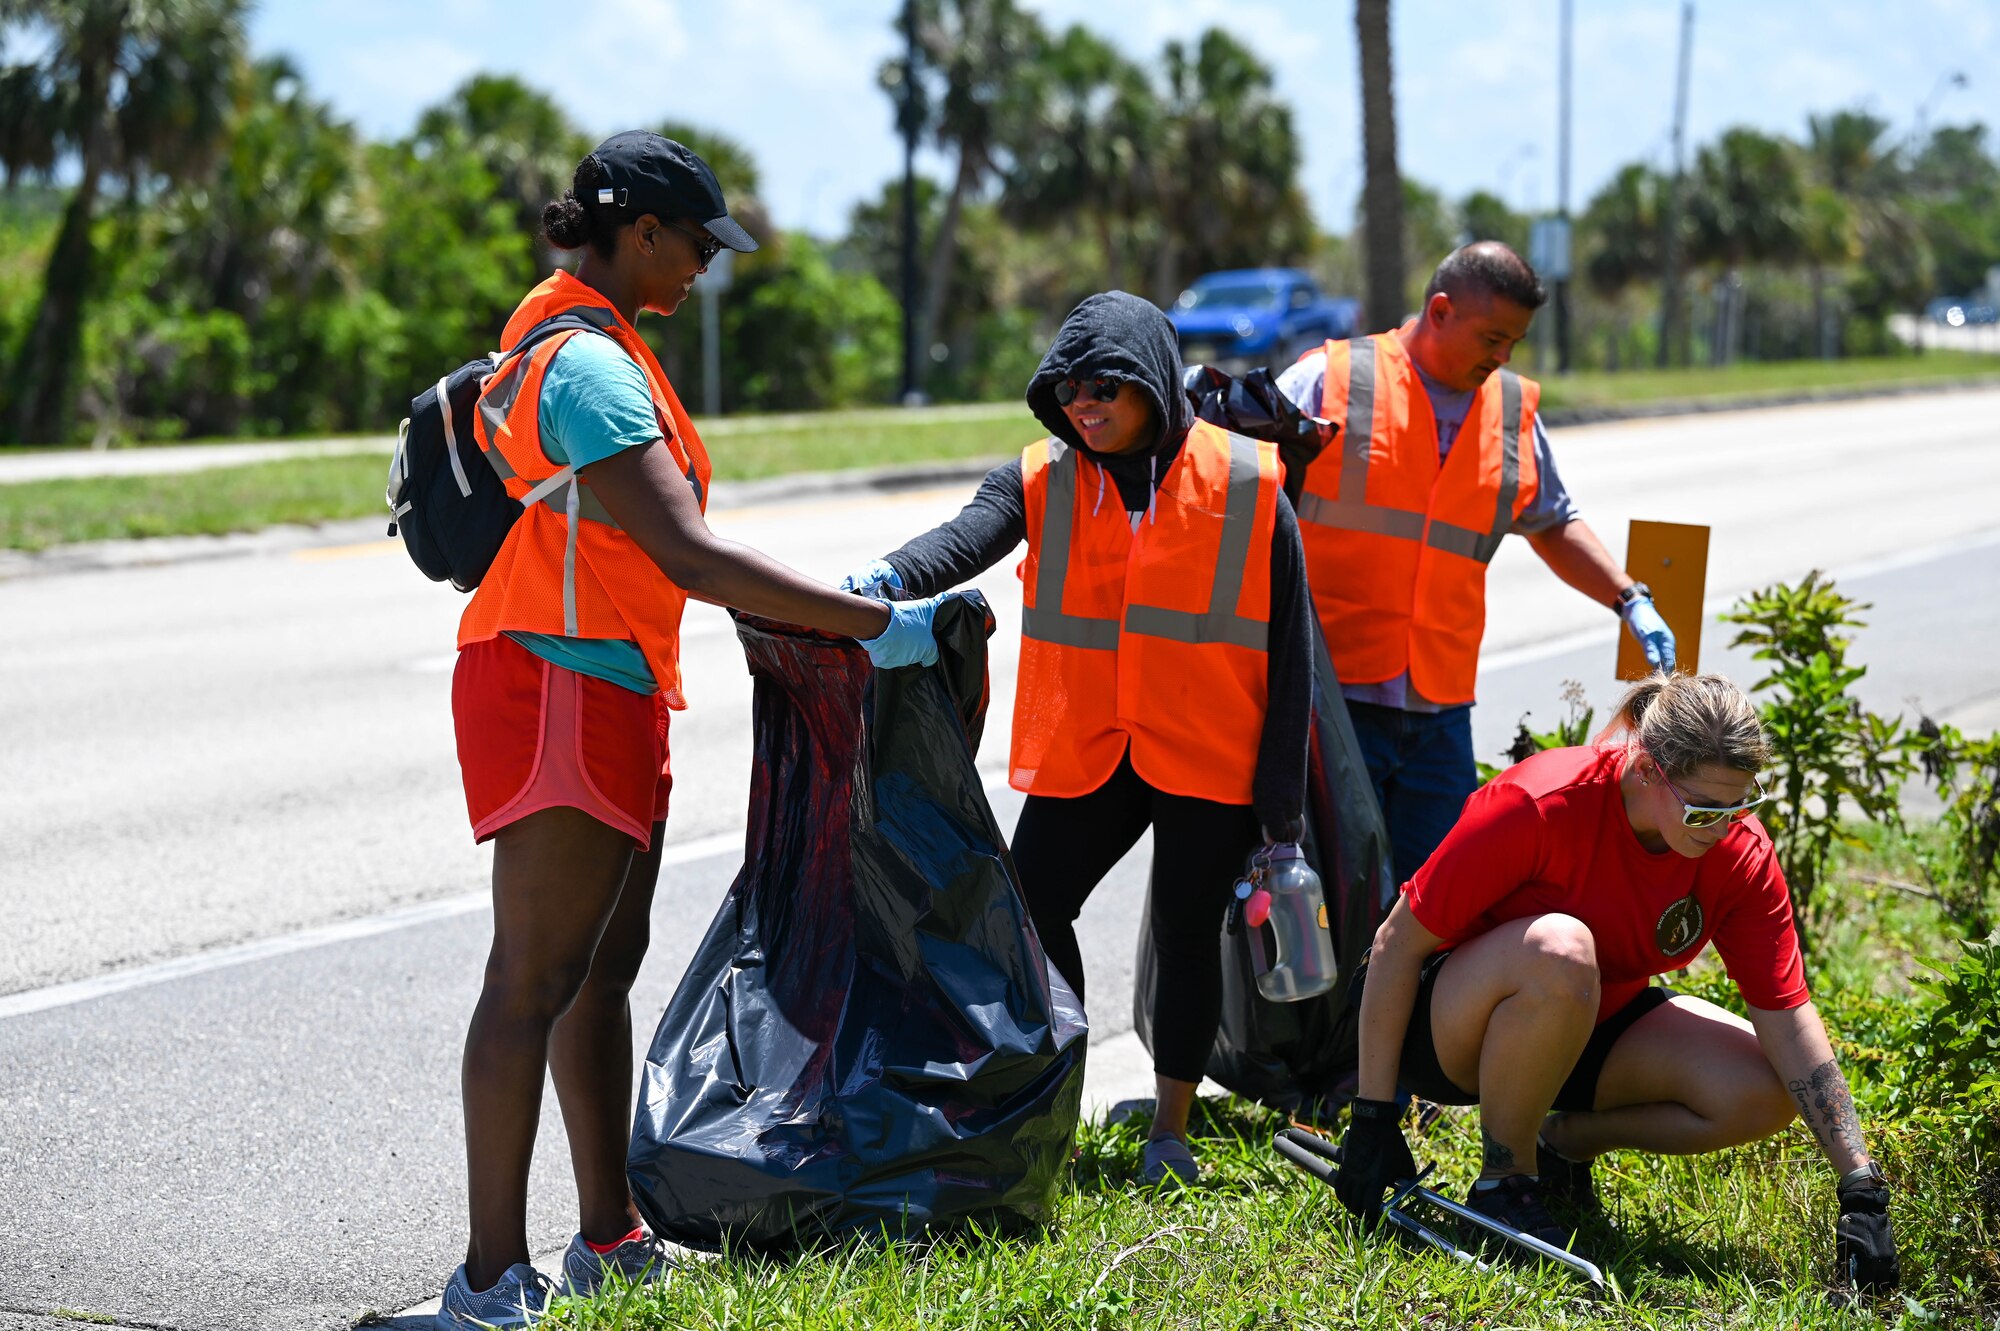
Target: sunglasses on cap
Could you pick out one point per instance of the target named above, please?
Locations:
(1104, 390)
(1711, 815)
(706, 246)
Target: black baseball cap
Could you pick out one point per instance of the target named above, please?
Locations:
(650, 174)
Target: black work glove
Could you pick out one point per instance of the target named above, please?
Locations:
(1863, 1243)
(1373, 1156)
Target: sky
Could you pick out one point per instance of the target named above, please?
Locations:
(1476, 85)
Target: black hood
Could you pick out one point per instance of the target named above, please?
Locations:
(1117, 335)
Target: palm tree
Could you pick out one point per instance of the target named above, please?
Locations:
(978, 52)
(275, 240)
(133, 91)
(519, 135)
(1226, 188)
(1382, 190)
(1746, 205)
(1085, 152)
(1623, 222)
(1486, 216)
(1879, 240)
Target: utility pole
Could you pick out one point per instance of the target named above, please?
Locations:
(911, 394)
(1562, 193)
(1670, 264)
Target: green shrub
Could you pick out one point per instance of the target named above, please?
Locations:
(1829, 753)
(1964, 867)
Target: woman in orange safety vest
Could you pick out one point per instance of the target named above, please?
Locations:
(569, 663)
(1166, 661)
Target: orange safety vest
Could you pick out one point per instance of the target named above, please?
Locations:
(1156, 639)
(566, 567)
(1397, 547)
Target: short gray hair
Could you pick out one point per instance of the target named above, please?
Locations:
(1488, 268)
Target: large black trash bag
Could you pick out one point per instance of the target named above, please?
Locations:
(1253, 406)
(870, 1037)
(1303, 1056)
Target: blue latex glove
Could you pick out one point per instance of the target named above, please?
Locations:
(875, 573)
(1645, 624)
(908, 640)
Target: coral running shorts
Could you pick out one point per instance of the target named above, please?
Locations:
(533, 735)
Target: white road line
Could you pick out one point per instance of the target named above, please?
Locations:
(1720, 601)
(368, 926)
(83, 991)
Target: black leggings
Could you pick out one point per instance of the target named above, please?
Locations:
(1064, 847)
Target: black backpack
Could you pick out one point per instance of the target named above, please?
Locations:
(452, 507)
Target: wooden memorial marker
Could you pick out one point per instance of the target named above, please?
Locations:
(1672, 559)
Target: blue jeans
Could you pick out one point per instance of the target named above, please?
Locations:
(1422, 767)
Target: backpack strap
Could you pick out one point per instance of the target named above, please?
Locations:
(572, 320)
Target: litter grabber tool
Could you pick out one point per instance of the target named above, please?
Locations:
(1317, 1156)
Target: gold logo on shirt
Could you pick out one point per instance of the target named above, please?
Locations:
(1679, 927)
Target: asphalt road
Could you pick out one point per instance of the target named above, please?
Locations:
(220, 755)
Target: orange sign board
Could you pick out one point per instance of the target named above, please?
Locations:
(1672, 559)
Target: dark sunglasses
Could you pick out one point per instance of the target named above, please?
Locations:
(1104, 390)
(705, 245)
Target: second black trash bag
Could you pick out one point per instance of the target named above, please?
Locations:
(869, 1038)
(1294, 1056)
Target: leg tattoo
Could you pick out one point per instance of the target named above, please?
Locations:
(1828, 1108)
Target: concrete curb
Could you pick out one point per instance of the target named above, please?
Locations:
(102, 556)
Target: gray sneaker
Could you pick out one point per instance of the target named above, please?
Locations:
(519, 1298)
(636, 1260)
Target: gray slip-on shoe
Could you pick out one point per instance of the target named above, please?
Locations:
(1169, 1162)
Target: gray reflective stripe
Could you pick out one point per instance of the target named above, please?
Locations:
(1360, 420)
(1483, 545)
(496, 399)
(1352, 516)
(569, 562)
(1352, 511)
(451, 438)
(1220, 623)
(547, 487)
(1045, 620)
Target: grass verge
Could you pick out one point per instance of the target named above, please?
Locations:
(1737, 1239)
(38, 514)
(1597, 389)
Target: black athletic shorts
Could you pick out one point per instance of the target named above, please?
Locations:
(1420, 1075)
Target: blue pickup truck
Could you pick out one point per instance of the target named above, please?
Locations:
(1246, 317)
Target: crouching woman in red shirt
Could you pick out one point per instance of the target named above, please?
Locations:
(1514, 974)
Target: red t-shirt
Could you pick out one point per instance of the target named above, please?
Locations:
(1550, 835)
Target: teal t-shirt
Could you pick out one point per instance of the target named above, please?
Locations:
(594, 402)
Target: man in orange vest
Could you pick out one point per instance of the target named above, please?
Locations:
(1441, 454)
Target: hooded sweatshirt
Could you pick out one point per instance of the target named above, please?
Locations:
(1115, 335)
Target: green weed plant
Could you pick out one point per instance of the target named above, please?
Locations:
(1830, 755)
(1963, 864)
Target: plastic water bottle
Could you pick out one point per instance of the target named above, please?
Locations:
(1290, 945)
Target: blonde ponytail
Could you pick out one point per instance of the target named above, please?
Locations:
(1684, 721)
